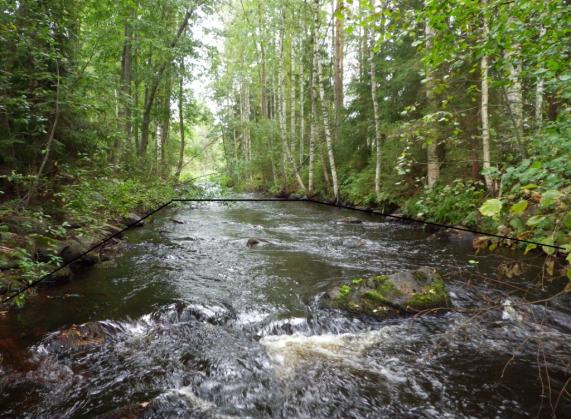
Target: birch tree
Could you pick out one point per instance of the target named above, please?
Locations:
(484, 70)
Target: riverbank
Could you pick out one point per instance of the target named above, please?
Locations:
(37, 239)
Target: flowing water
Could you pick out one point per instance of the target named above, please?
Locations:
(190, 322)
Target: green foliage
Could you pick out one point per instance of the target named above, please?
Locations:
(97, 200)
(491, 208)
(452, 204)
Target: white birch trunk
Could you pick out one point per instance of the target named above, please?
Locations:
(514, 91)
(301, 111)
(433, 166)
(539, 90)
(327, 130)
(376, 117)
(484, 69)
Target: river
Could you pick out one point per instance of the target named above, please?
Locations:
(191, 322)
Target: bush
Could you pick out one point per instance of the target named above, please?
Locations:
(451, 204)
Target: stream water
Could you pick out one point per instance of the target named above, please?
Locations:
(190, 322)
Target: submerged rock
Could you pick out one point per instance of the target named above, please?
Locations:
(390, 295)
(81, 336)
(350, 220)
(353, 243)
(253, 242)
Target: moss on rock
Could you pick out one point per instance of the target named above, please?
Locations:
(390, 295)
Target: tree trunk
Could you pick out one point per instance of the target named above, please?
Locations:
(484, 68)
(376, 117)
(433, 165)
(247, 140)
(165, 124)
(282, 109)
(181, 125)
(301, 111)
(36, 181)
(155, 84)
(338, 70)
(313, 110)
(291, 93)
(126, 77)
(328, 138)
(285, 140)
(514, 93)
(539, 91)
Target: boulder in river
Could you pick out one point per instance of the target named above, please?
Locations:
(76, 248)
(254, 241)
(110, 230)
(391, 295)
(133, 220)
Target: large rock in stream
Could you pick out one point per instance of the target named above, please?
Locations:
(391, 295)
(76, 251)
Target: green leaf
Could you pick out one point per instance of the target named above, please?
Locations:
(491, 208)
(519, 208)
(529, 248)
(549, 198)
(530, 186)
(548, 241)
(569, 274)
(567, 220)
(535, 220)
(517, 223)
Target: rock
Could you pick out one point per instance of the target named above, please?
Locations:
(349, 220)
(133, 220)
(454, 235)
(59, 277)
(391, 295)
(80, 336)
(110, 230)
(353, 243)
(76, 248)
(253, 242)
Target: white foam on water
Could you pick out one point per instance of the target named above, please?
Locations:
(196, 402)
(510, 312)
(249, 317)
(289, 352)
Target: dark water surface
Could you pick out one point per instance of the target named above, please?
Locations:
(196, 324)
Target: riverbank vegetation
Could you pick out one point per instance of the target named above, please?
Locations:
(97, 121)
(456, 112)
